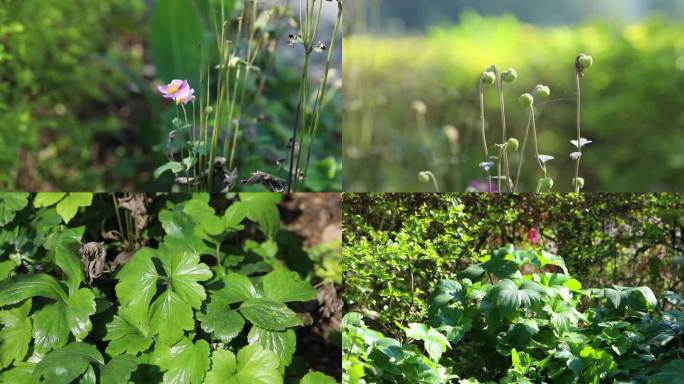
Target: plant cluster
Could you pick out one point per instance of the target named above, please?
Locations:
(397, 245)
(196, 156)
(192, 296)
(517, 316)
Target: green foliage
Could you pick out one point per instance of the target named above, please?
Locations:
(536, 326)
(51, 66)
(195, 305)
(396, 246)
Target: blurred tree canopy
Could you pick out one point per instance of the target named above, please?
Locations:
(633, 106)
(417, 15)
(397, 245)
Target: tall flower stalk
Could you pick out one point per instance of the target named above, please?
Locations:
(527, 101)
(582, 62)
(488, 77)
(507, 76)
(306, 125)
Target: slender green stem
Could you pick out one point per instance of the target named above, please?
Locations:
(579, 132)
(502, 108)
(484, 135)
(318, 106)
(522, 152)
(300, 105)
(118, 216)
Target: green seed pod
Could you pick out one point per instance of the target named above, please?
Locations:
(526, 100)
(542, 91)
(209, 109)
(488, 77)
(509, 75)
(546, 184)
(585, 60)
(578, 182)
(423, 177)
(513, 144)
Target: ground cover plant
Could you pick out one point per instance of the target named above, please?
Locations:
(517, 316)
(432, 119)
(192, 288)
(398, 247)
(92, 95)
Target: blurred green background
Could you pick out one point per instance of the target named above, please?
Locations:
(401, 57)
(79, 109)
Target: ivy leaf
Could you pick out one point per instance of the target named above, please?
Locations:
(184, 270)
(47, 199)
(283, 343)
(237, 288)
(21, 373)
(269, 314)
(446, 291)
(184, 362)
(118, 370)
(138, 283)
(262, 209)
(221, 321)
(64, 365)
(125, 336)
(170, 316)
(234, 215)
(435, 343)
(285, 286)
(53, 323)
(198, 208)
(508, 296)
(22, 287)
(70, 264)
(253, 365)
(15, 334)
(317, 378)
(10, 204)
(68, 207)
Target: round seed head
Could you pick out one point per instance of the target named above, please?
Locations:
(423, 177)
(585, 60)
(209, 109)
(488, 77)
(542, 91)
(176, 122)
(513, 144)
(546, 184)
(509, 75)
(526, 100)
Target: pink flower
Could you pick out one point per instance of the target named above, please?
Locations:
(178, 90)
(532, 236)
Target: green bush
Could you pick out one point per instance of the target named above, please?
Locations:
(494, 323)
(397, 245)
(51, 72)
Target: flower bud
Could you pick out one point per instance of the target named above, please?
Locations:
(578, 182)
(423, 177)
(513, 144)
(209, 109)
(542, 90)
(509, 75)
(526, 100)
(488, 77)
(585, 60)
(546, 184)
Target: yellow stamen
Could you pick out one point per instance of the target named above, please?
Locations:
(173, 88)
